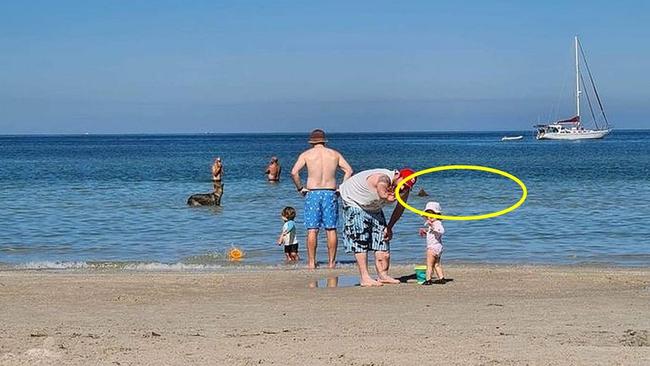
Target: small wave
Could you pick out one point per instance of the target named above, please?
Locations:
(49, 265)
(134, 266)
(155, 266)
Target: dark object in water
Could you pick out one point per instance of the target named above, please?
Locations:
(422, 193)
(204, 199)
(207, 199)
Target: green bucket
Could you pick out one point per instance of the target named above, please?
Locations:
(420, 274)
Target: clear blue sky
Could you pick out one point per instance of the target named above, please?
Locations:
(272, 66)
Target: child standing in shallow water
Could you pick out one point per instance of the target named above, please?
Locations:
(433, 230)
(288, 234)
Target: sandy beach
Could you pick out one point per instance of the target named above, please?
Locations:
(489, 315)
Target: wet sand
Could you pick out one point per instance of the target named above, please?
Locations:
(489, 315)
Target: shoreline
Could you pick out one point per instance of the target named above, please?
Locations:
(489, 314)
(226, 266)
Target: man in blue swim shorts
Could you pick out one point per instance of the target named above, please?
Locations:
(321, 197)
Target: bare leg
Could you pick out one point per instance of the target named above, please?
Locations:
(331, 248)
(382, 263)
(362, 263)
(312, 242)
(438, 267)
(430, 262)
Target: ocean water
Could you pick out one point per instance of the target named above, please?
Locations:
(120, 200)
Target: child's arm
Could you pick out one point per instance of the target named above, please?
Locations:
(282, 234)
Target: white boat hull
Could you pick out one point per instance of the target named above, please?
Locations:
(573, 135)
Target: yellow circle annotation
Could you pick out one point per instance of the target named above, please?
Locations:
(524, 192)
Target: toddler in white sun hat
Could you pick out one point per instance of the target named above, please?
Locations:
(433, 230)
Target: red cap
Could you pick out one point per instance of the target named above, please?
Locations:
(405, 172)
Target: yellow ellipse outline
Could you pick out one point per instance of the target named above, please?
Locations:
(524, 192)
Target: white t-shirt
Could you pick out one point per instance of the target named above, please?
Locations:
(289, 231)
(356, 192)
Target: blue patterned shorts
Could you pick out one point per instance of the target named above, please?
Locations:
(321, 209)
(364, 231)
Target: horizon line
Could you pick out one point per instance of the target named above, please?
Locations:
(44, 134)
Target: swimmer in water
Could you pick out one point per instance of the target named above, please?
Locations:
(274, 170)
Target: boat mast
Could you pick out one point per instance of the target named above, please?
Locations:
(577, 79)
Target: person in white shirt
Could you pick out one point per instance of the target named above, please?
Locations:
(365, 228)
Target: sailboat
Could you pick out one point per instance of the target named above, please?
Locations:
(572, 128)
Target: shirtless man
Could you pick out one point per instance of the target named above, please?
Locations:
(321, 201)
(274, 170)
(217, 173)
(217, 170)
(365, 228)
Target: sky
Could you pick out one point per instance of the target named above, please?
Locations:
(290, 66)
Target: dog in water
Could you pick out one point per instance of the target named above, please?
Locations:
(207, 199)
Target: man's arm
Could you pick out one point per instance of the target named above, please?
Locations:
(383, 187)
(395, 216)
(295, 171)
(345, 167)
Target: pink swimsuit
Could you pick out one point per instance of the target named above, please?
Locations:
(435, 230)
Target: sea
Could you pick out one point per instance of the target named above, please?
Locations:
(119, 201)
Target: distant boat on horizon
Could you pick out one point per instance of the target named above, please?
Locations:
(572, 128)
(512, 138)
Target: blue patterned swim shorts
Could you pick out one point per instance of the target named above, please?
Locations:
(363, 230)
(321, 209)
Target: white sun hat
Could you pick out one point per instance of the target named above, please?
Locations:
(433, 206)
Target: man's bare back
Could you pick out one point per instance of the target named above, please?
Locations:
(273, 172)
(217, 170)
(322, 163)
(321, 202)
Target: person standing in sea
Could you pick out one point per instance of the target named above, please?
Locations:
(217, 174)
(365, 228)
(321, 200)
(274, 170)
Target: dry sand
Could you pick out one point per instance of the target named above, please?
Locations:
(489, 315)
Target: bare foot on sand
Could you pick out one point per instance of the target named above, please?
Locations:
(331, 266)
(388, 280)
(370, 283)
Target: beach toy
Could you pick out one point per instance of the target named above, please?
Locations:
(420, 274)
(235, 254)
